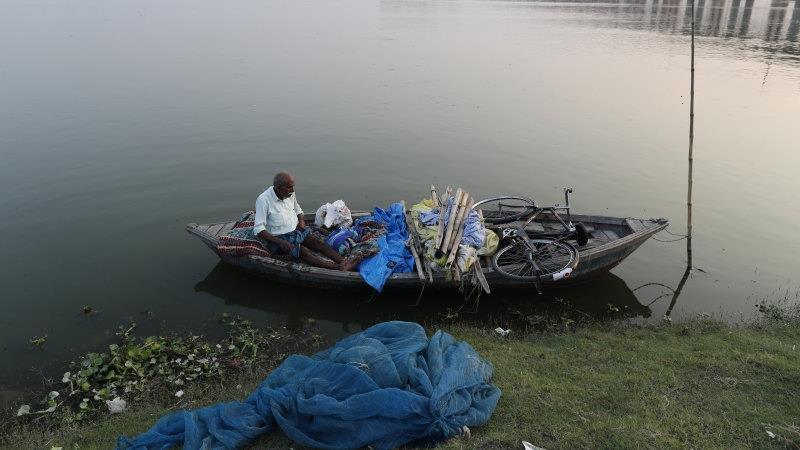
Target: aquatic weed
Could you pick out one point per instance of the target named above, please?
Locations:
(38, 341)
(165, 365)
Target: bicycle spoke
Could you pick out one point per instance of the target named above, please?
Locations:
(521, 261)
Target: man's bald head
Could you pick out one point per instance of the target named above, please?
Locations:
(283, 184)
(282, 179)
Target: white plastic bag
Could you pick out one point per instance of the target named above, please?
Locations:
(333, 214)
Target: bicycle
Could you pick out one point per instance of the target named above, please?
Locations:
(531, 255)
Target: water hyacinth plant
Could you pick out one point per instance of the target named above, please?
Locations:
(165, 365)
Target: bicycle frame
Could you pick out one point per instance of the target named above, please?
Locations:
(515, 231)
(568, 227)
(536, 211)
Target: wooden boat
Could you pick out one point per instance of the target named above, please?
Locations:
(611, 240)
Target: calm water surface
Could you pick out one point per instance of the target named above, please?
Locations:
(120, 122)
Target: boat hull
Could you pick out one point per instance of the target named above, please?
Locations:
(614, 239)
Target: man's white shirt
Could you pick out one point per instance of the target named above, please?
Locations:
(275, 215)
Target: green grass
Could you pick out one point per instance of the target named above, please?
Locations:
(697, 385)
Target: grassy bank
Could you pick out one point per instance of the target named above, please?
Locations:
(697, 385)
(701, 384)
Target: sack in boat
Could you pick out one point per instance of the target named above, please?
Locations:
(343, 240)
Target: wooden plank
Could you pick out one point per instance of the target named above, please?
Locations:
(612, 236)
(227, 227)
(534, 227)
(586, 219)
(601, 237)
(593, 242)
(635, 224)
(214, 229)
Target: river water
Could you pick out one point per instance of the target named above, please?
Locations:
(122, 121)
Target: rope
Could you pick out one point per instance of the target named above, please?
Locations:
(669, 240)
(680, 237)
(670, 232)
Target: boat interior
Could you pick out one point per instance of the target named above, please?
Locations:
(602, 229)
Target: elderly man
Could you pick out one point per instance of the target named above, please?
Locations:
(279, 221)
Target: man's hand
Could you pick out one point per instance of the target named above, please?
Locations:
(285, 245)
(301, 222)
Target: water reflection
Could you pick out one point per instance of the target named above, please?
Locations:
(677, 292)
(794, 23)
(778, 21)
(606, 297)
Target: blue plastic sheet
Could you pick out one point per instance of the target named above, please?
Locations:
(384, 387)
(393, 256)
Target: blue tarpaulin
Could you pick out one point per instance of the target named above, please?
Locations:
(383, 387)
(393, 256)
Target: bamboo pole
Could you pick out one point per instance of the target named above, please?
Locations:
(447, 193)
(440, 227)
(451, 220)
(412, 242)
(462, 219)
(434, 197)
(691, 159)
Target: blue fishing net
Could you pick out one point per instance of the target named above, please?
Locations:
(384, 387)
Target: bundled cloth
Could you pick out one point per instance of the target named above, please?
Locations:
(345, 239)
(384, 387)
(335, 214)
(474, 231)
(241, 241)
(359, 241)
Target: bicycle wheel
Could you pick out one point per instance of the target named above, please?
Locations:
(500, 210)
(516, 260)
